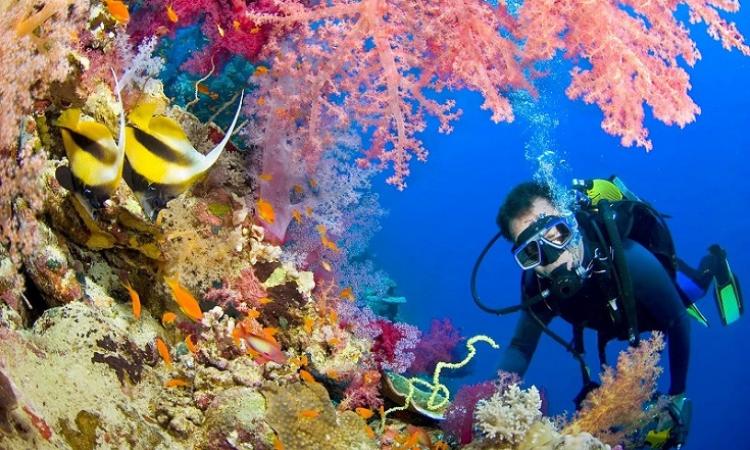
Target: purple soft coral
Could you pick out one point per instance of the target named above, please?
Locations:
(435, 346)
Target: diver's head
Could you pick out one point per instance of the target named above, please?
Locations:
(544, 237)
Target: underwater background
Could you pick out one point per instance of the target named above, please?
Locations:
(698, 175)
(215, 233)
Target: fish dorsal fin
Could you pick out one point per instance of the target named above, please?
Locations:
(141, 115)
(214, 154)
(69, 118)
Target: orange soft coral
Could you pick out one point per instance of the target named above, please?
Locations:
(618, 403)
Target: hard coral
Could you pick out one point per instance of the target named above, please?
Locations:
(304, 417)
(507, 416)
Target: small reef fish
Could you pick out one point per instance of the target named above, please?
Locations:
(327, 243)
(95, 161)
(176, 382)
(369, 432)
(266, 177)
(188, 304)
(347, 294)
(364, 413)
(265, 300)
(297, 216)
(277, 445)
(440, 445)
(236, 25)
(135, 299)
(220, 29)
(265, 211)
(264, 348)
(160, 161)
(168, 318)
(260, 70)
(307, 376)
(416, 437)
(163, 350)
(189, 344)
(309, 413)
(118, 10)
(326, 265)
(253, 314)
(171, 15)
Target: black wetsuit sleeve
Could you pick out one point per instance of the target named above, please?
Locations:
(660, 307)
(518, 354)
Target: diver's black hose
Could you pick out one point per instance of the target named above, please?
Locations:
(622, 274)
(475, 294)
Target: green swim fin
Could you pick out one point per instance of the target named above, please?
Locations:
(726, 289)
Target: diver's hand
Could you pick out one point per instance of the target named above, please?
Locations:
(670, 427)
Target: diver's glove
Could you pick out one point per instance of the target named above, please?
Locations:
(670, 427)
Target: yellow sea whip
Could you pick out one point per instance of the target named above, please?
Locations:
(436, 386)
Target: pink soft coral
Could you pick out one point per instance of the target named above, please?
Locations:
(371, 63)
(632, 48)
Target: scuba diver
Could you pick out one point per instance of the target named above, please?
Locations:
(608, 265)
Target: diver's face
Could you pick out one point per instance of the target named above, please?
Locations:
(541, 207)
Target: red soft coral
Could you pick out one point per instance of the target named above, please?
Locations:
(224, 24)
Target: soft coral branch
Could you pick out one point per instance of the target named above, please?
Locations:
(370, 64)
(632, 48)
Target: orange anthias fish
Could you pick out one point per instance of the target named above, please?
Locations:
(327, 243)
(416, 437)
(265, 176)
(347, 294)
(277, 445)
(135, 299)
(364, 413)
(163, 350)
(262, 345)
(369, 432)
(168, 318)
(176, 382)
(307, 376)
(265, 211)
(188, 304)
(118, 10)
(260, 70)
(171, 15)
(309, 413)
(189, 344)
(297, 216)
(440, 445)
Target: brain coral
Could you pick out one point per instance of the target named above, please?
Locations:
(329, 429)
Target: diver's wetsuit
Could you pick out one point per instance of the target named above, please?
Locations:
(658, 305)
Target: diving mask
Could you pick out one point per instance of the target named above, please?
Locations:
(543, 242)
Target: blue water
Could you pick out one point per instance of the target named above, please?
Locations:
(698, 175)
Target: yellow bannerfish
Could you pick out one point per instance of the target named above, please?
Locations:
(95, 161)
(160, 161)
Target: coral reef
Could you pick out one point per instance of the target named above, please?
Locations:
(234, 313)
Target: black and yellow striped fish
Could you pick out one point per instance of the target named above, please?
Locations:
(95, 160)
(160, 162)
